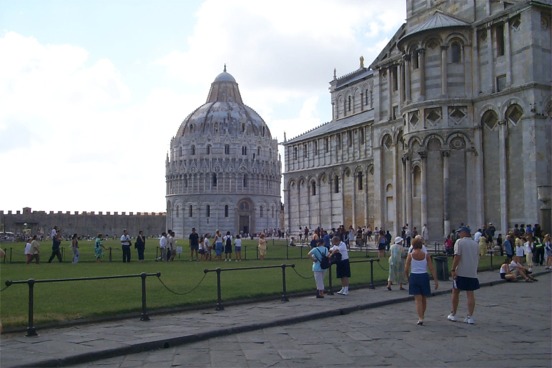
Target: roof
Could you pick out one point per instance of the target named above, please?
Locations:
(436, 21)
(333, 126)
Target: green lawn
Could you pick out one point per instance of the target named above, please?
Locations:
(182, 283)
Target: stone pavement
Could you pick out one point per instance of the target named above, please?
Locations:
(366, 328)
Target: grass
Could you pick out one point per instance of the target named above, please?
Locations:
(182, 283)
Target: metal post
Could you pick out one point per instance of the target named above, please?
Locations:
(219, 298)
(330, 280)
(284, 296)
(31, 331)
(371, 286)
(144, 316)
(109, 254)
(491, 259)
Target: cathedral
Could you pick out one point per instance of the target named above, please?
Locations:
(223, 170)
(450, 124)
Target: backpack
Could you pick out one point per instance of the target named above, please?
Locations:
(228, 241)
(324, 262)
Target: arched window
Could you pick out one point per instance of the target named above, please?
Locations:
(295, 153)
(180, 152)
(261, 211)
(208, 210)
(350, 99)
(177, 211)
(244, 150)
(214, 179)
(313, 188)
(226, 149)
(259, 152)
(315, 147)
(360, 181)
(193, 150)
(226, 211)
(336, 184)
(208, 149)
(245, 180)
(190, 211)
(455, 53)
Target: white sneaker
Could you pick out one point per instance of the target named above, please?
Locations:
(340, 291)
(469, 320)
(344, 293)
(451, 317)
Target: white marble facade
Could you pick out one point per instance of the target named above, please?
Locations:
(450, 124)
(223, 171)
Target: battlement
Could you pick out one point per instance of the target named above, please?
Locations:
(87, 223)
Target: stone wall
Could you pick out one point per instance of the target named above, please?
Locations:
(82, 223)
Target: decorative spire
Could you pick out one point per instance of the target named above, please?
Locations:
(335, 76)
(225, 67)
(361, 62)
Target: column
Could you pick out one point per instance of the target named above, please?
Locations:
(502, 170)
(342, 194)
(389, 93)
(406, 64)
(423, 195)
(478, 176)
(446, 190)
(366, 205)
(508, 53)
(421, 64)
(319, 193)
(408, 188)
(490, 59)
(353, 205)
(401, 82)
(444, 70)
(472, 75)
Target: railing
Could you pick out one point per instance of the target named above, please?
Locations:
(219, 270)
(371, 260)
(31, 330)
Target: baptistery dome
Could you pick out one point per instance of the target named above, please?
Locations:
(223, 170)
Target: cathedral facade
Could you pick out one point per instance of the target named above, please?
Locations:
(450, 124)
(223, 171)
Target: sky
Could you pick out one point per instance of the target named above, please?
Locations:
(91, 92)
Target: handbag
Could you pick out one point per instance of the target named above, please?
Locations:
(335, 258)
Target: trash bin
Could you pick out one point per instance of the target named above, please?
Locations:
(441, 267)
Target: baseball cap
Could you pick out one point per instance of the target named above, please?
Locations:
(464, 228)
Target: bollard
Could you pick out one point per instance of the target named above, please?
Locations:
(371, 286)
(31, 331)
(491, 260)
(109, 254)
(330, 280)
(144, 316)
(284, 296)
(219, 298)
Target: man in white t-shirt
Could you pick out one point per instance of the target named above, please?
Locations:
(163, 246)
(464, 273)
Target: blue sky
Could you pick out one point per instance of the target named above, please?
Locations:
(91, 92)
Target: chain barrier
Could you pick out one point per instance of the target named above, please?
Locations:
(383, 268)
(301, 276)
(185, 293)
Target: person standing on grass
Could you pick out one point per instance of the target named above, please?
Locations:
(98, 248)
(75, 248)
(237, 247)
(125, 245)
(262, 247)
(163, 246)
(140, 245)
(194, 244)
(415, 270)
(28, 251)
(464, 273)
(343, 268)
(219, 247)
(35, 250)
(170, 246)
(56, 252)
(228, 247)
